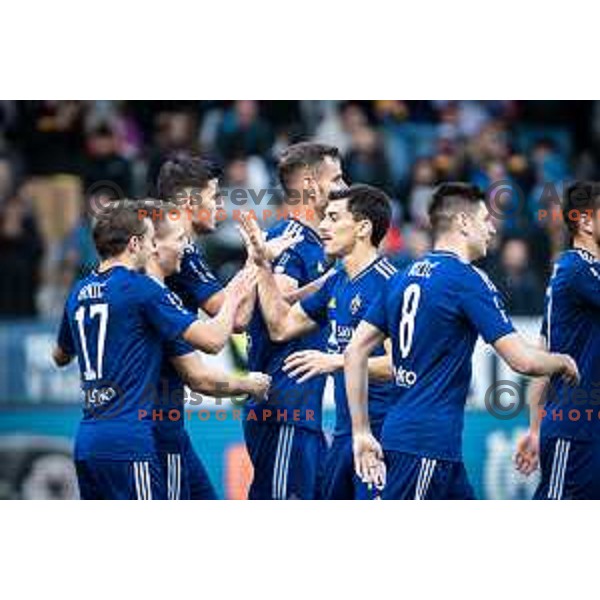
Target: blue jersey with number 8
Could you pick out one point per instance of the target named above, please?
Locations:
(434, 312)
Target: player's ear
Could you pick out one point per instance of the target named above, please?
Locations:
(365, 229)
(463, 222)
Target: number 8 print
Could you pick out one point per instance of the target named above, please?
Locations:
(410, 304)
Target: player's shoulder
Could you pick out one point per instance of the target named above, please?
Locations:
(576, 262)
(383, 270)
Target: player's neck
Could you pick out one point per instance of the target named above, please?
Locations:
(154, 270)
(116, 261)
(307, 215)
(359, 259)
(451, 244)
(587, 244)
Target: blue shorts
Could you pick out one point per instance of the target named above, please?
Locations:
(185, 475)
(286, 461)
(411, 477)
(102, 479)
(340, 481)
(199, 486)
(570, 470)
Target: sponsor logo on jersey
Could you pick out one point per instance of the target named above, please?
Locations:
(404, 377)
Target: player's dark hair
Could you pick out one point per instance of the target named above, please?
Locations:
(578, 198)
(114, 227)
(367, 202)
(449, 199)
(300, 156)
(183, 170)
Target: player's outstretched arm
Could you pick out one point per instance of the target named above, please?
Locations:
(525, 358)
(212, 335)
(207, 380)
(368, 455)
(305, 364)
(528, 445)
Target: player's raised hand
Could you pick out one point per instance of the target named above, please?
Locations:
(277, 246)
(527, 454)
(306, 364)
(570, 372)
(368, 459)
(242, 285)
(259, 385)
(254, 239)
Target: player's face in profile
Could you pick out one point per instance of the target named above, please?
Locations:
(169, 248)
(146, 246)
(338, 229)
(204, 209)
(329, 179)
(596, 226)
(481, 230)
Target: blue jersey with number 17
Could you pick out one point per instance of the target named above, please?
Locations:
(434, 312)
(116, 323)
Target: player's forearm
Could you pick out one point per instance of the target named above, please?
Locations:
(537, 399)
(380, 368)
(306, 290)
(275, 309)
(219, 384)
(244, 312)
(356, 365)
(212, 335)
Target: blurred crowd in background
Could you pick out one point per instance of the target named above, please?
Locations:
(56, 155)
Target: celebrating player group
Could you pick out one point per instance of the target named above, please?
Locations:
(316, 299)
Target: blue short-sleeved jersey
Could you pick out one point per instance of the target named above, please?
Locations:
(195, 283)
(342, 303)
(433, 313)
(305, 262)
(572, 326)
(116, 322)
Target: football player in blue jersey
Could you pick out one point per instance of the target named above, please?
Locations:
(564, 436)
(192, 183)
(116, 321)
(183, 366)
(356, 221)
(285, 440)
(433, 314)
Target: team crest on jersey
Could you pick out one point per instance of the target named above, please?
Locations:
(355, 304)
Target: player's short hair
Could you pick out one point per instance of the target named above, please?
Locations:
(450, 199)
(162, 213)
(115, 226)
(578, 198)
(182, 170)
(301, 156)
(370, 203)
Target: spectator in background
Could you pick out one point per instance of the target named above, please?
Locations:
(20, 257)
(522, 288)
(245, 187)
(50, 135)
(243, 131)
(417, 242)
(175, 131)
(104, 162)
(419, 196)
(366, 161)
